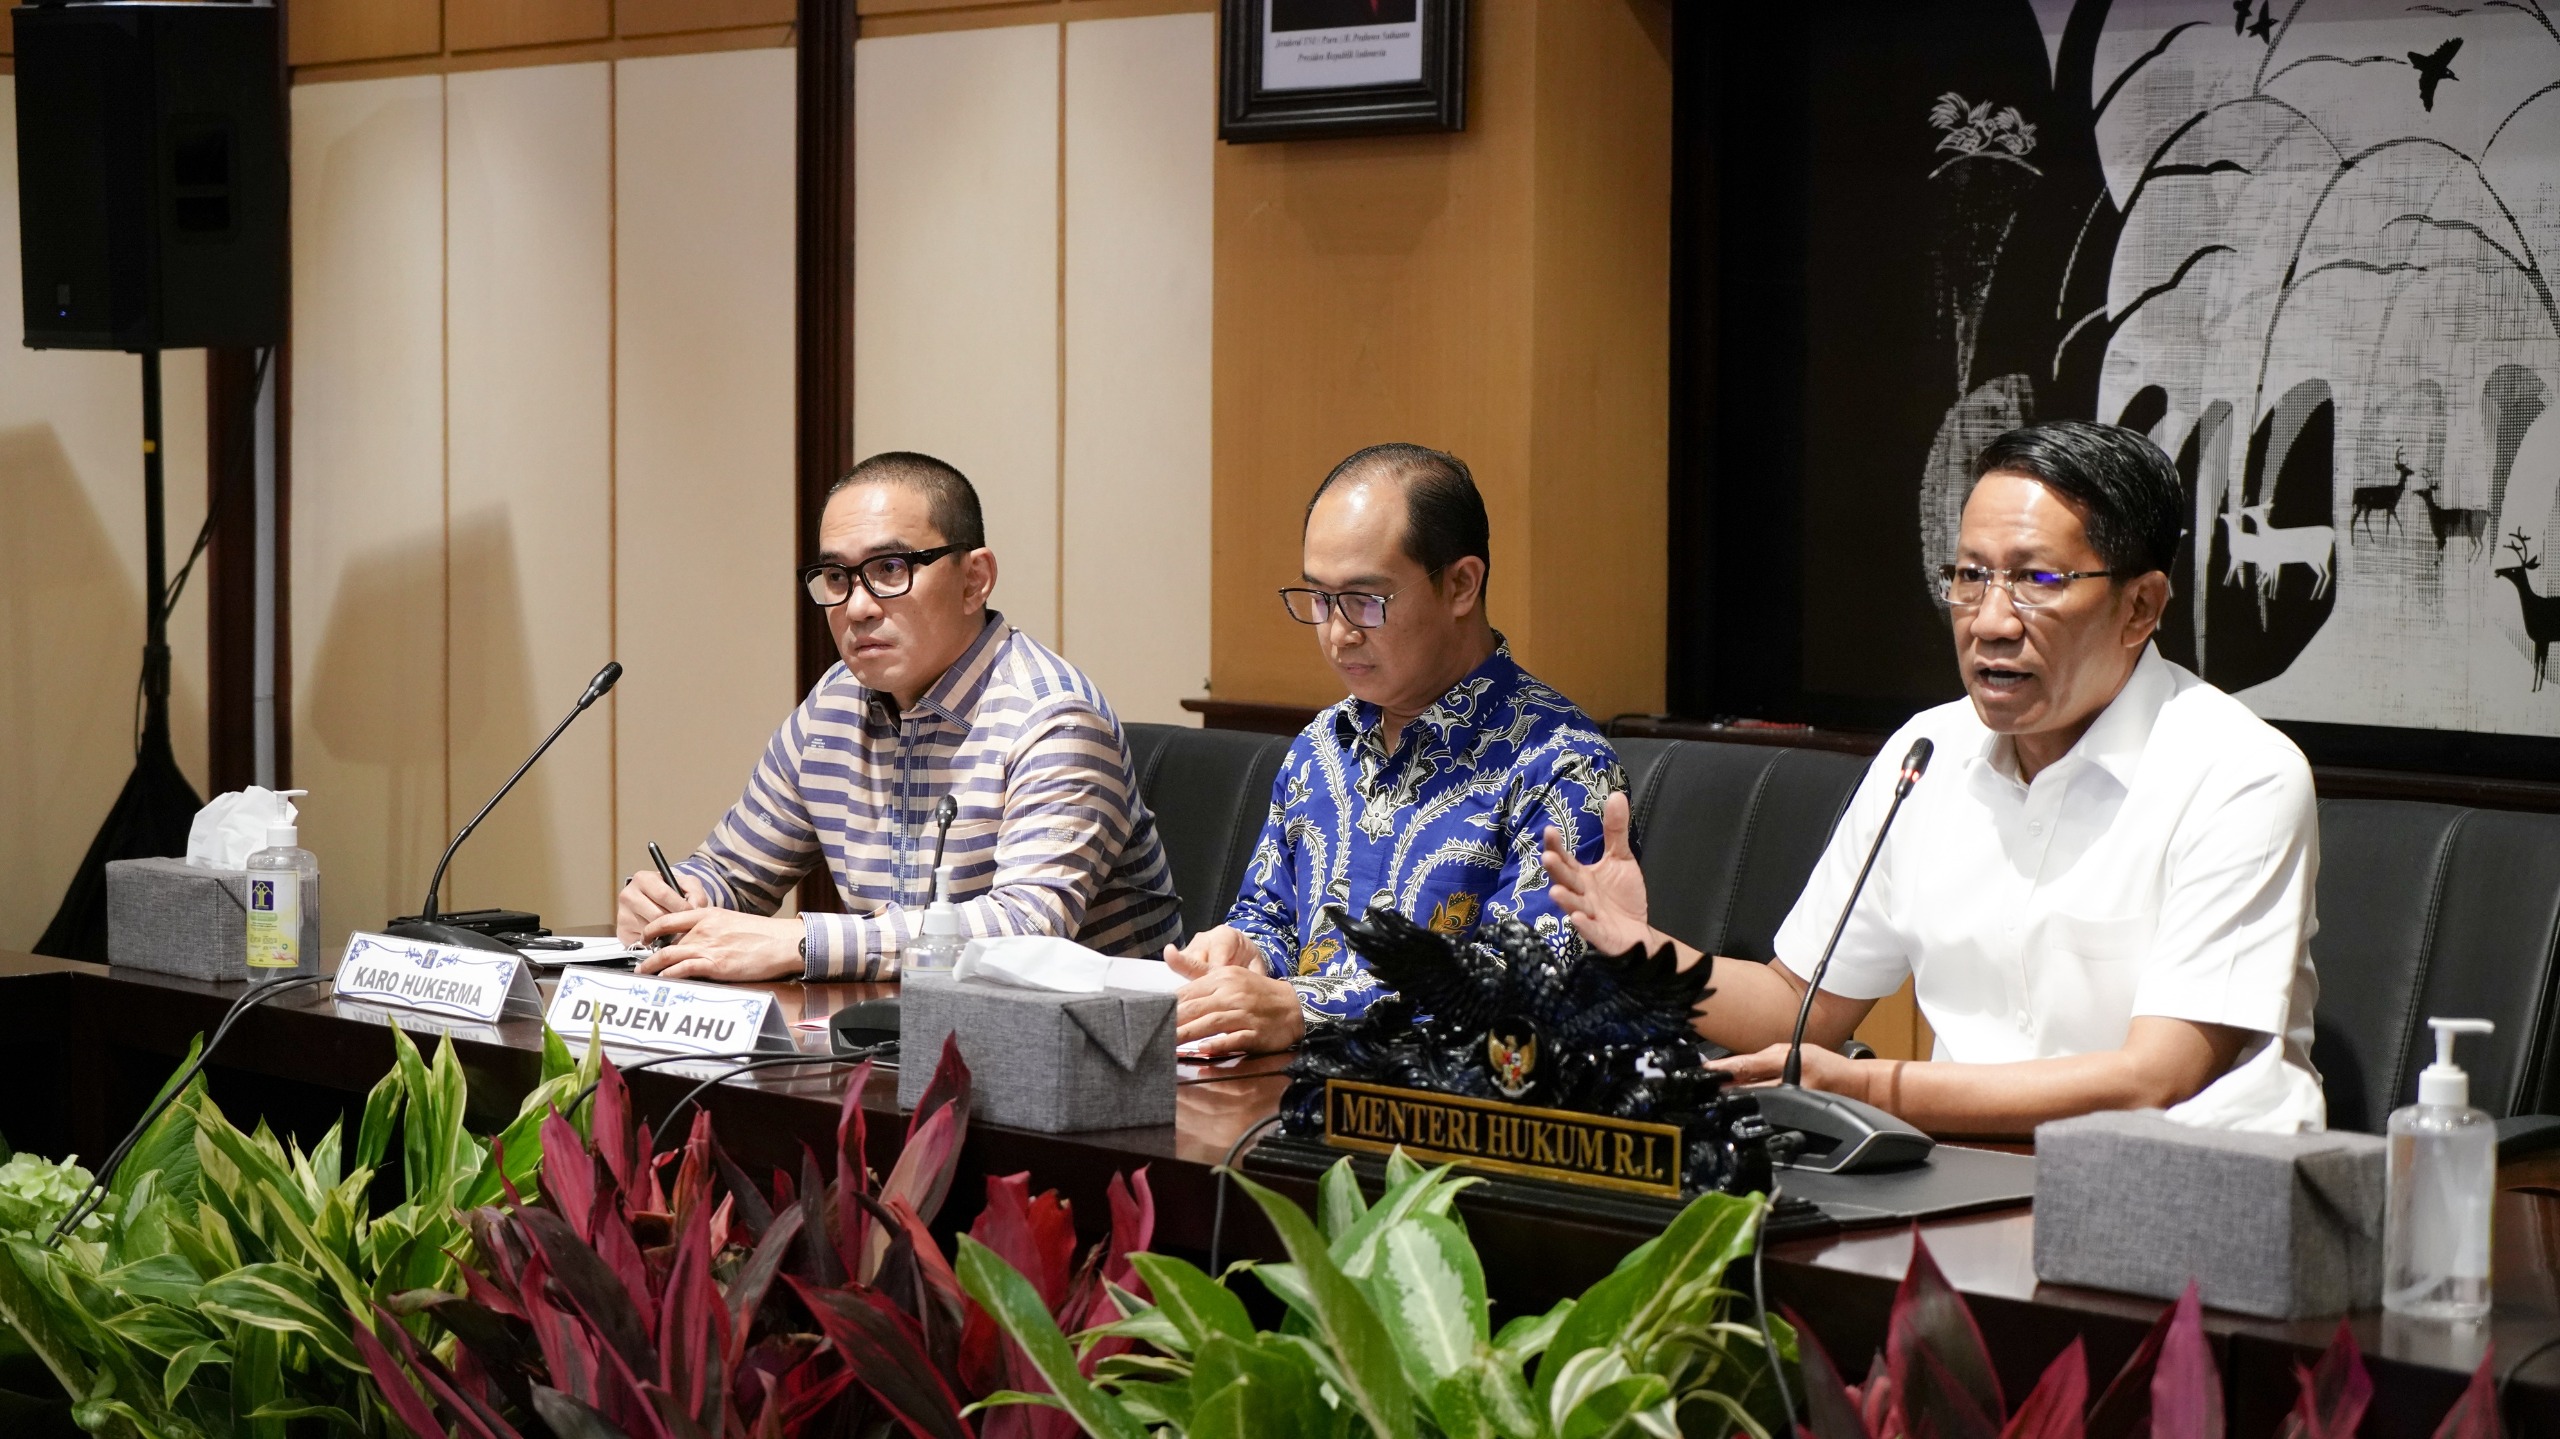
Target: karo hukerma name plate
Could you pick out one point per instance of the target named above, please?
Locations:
(1593, 1150)
(437, 978)
(665, 1014)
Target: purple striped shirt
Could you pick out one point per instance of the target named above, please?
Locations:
(1052, 836)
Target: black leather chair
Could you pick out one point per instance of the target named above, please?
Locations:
(2432, 909)
(1728, 833)
(1210, 790)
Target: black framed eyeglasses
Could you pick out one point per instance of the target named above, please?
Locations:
(886, 576)
(1964, 586)
(1359, 608)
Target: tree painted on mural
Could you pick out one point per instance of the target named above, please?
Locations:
(2289, 249)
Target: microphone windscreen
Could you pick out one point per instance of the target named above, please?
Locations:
(604, 680)
(1916, 763)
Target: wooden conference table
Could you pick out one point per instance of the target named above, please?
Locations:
(82, 1049)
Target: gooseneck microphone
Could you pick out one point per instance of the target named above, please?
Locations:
(1840, 1134)
(426, 924)
(1914, 764)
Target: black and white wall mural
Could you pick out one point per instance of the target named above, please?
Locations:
(2307, 245)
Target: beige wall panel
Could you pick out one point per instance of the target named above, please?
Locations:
(703, 434)
(491, 24)
(368, 490)
(71, 585)
(325, 32)
(1141, 156)
(956, 280)
(529, 385)
(661, 17)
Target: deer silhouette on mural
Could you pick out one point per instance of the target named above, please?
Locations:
(2541, 612)
(2452, 523)
(2383, 500)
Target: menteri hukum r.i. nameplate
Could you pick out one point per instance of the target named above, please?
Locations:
(1594, 1150)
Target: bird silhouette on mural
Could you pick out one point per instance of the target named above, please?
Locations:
(2434, 67)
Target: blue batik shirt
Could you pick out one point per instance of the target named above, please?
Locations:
(1446, 829)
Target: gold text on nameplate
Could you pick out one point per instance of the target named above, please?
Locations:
(1586, 1149)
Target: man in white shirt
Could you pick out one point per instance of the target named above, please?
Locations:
(2103, 887)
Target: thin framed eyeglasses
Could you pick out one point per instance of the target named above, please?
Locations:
(1964, 586)
(1364, 611)
(886, 576)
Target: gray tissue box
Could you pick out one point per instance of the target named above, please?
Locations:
(1038, 1060)
(2281, 1225)
(174, 917)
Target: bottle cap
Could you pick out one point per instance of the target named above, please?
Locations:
(282, 831)
(2444, 1082)
(942, 917)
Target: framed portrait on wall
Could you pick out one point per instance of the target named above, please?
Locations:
(1307, 69)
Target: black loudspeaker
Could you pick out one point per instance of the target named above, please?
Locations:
(151, 175)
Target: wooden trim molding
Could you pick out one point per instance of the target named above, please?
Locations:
(2332, 781)
(231, 568)
(823, 443)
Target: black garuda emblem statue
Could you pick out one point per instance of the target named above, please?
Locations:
(1501, 1016)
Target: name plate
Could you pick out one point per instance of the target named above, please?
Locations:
(1592, 1150)
(437, 978)
(667, 1014)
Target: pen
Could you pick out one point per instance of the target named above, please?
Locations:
(666, 872)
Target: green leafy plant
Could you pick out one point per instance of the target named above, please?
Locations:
(1388, 1332)
(211, 1295)
(628, 1305)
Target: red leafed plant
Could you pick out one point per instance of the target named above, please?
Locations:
(1935, 1378)
(614, 1306)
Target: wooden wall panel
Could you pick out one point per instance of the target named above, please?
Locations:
(666, 17)
(529, 315)
(71, 604)
(703, 433)
(368, 562)
(492, 24)
(328, 32)
(1140, 162)
(956, 277)
(1486, 293)
(1370, 290)
(1599, 449)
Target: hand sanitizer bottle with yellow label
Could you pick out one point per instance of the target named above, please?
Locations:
(284, 902)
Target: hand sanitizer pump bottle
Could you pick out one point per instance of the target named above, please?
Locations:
(2443, 1185)
(939, 941)
(284, 901)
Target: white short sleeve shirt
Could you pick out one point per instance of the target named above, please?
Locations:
(2163, 867)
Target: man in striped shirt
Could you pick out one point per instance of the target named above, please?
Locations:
(937, 695)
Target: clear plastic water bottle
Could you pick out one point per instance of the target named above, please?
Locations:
(2443, 1188)
(939, 940)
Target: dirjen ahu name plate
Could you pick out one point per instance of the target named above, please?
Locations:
(665, 1014)
(1592, 1150)
(437, 978)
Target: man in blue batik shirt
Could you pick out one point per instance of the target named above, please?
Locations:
(1427, 790)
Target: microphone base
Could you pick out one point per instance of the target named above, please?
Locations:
(435, 932)
(1841, 1135)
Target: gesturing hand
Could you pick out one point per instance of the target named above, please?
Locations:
(1604, 899)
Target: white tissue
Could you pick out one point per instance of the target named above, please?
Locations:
(234, 827)
(1061, 966)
